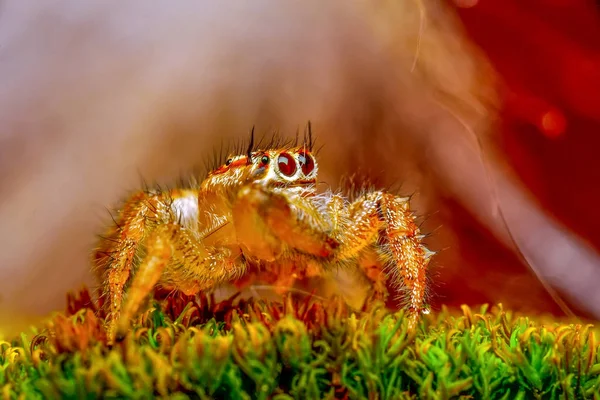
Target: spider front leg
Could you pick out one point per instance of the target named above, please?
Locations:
(115, 256)
(386, 220)
(410, 257)
(269, 222)
(177, 259)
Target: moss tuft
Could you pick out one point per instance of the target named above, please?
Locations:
(194, 347)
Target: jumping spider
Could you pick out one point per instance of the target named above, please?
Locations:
(259, 208)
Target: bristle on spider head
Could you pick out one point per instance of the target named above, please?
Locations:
(309, 134)
(247, 146)
(250, 146)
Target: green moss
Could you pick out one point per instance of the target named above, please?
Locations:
(186, 347)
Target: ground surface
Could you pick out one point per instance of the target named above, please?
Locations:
(187, 347)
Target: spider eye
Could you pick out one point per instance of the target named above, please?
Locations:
(307, 163)
(264, 160)
(286, 164)
(228, 162)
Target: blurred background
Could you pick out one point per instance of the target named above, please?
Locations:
(487, 111)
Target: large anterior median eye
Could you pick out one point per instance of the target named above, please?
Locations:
(307, 163)
(286, 164)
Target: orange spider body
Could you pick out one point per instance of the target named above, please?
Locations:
(261, 208)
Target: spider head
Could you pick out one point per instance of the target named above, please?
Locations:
(290, 167)
(295, 167)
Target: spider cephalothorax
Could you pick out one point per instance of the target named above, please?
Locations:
(261, 207)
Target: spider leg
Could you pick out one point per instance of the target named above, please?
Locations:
(410, 256)
(116, 254)
(148, 274)
(356, 227)
(385, 219)
(176, 258)
(269, 222)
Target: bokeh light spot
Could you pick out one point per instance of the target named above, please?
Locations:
(553, 123)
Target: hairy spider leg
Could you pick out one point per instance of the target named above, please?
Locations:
(177, 259)
(116, 254)
(267, 220)
(355, 227)
(410, 258)
(385, 220)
